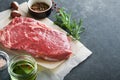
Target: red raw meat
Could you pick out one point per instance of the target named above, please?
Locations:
(35, 38)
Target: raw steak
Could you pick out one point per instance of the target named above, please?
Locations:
(36, 38)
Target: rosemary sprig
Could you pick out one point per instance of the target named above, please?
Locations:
(64, 20)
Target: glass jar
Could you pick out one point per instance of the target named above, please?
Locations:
(4, 62)
(23, 67)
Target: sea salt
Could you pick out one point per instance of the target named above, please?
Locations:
(2, 62)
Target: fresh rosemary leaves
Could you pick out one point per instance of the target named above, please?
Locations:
(64, 20)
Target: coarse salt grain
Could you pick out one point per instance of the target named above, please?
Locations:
(2, 62)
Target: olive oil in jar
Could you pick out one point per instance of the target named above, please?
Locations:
(25, 68)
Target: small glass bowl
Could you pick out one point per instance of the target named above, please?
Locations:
(4, 75)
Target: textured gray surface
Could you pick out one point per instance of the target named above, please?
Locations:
(102, 36)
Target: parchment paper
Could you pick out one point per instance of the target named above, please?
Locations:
(51, 70)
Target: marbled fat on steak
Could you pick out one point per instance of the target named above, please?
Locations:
(36, 38)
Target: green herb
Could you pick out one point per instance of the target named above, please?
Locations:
(23, 68)
(64, 20)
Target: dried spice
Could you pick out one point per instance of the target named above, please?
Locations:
(39, 6)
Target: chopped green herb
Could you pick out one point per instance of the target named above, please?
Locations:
(64, 20)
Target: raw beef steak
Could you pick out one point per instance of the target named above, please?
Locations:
(36, 38)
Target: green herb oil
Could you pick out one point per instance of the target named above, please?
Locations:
(23, 70)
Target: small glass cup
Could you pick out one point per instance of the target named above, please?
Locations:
(23, 67)
(4, 58)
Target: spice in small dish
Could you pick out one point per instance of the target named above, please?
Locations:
(39, 9)
(4, 62)
(39, 6)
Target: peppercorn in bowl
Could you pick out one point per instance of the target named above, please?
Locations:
(39, 8)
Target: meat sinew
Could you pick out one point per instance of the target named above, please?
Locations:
(36, 38)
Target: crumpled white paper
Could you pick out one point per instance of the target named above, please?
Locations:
(60, 72)
(80, 53)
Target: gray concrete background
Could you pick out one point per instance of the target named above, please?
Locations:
(102, 36)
